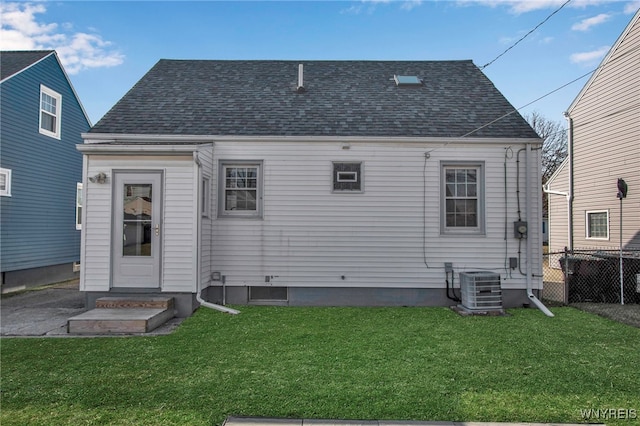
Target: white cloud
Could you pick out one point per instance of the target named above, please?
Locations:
(369, 6)
(588, 58)
(21, 30)
(410, 4)
(586, 24)
(632, 7)
(523, 6)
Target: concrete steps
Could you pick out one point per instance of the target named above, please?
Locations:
(123, 315)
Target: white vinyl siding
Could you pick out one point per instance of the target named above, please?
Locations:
(50, 112)
(179, 240)
(312, 237)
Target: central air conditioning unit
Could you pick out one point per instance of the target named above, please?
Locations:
(481, 291)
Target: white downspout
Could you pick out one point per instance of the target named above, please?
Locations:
(570, 195)
(529, 215)
(199, 298)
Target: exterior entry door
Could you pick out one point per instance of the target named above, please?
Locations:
(137, 229)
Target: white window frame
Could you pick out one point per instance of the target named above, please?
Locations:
(6, 192)
(479, 229)
(58, 113)
(347, 176)
(222, 189)
(587, 224)
(79, 205)
(205, 197)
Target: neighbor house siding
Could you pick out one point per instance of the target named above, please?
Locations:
(310, 236)
(558, 213)
(606, 134)
(178, 264)
(38, 219)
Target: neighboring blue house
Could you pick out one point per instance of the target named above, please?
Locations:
(40, 170)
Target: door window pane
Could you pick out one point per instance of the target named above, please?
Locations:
(137, 203)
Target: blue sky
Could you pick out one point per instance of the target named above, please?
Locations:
(107, 46)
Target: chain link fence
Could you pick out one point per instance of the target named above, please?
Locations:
(602, 281)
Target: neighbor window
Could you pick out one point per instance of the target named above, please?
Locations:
(598, 225)
(78, 206)
(50, 112)
(204, 197)
(5, 182)
(241, 193)
(347, 177)
(462, 203)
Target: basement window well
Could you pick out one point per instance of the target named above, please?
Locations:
(407, 80)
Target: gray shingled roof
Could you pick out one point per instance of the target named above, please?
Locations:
(12, 62)
(341, 98)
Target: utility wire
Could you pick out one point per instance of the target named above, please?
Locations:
(595, 120)
(532, 102)
(598, 68)
(525, 36)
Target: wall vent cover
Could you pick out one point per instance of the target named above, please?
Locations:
(481, 291)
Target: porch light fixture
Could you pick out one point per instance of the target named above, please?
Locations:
(99, 178)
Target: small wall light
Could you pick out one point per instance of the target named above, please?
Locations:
(99, 178)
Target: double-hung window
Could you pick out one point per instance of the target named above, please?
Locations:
(598, 225)
(241, 192)
(50, 112)
(462, 198)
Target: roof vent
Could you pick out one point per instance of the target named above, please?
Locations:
(407, 80)
(300, 88)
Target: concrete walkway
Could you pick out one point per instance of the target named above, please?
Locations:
(44, 313)
(257, 421)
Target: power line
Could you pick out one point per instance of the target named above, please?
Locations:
(599, 67)
(532, 102)
(525, 36)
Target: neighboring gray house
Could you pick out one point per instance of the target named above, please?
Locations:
(40, 170)
(604, 145)
(313, 183)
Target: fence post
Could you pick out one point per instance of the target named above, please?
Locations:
(621, 267)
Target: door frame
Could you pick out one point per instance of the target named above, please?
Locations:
(157, 219)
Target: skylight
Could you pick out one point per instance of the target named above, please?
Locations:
(407, 80)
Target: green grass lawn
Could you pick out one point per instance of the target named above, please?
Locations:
(346, 363)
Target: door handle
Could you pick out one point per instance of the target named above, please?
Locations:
(157, 230)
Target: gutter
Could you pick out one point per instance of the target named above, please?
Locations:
(529, 215)
(199, 288)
